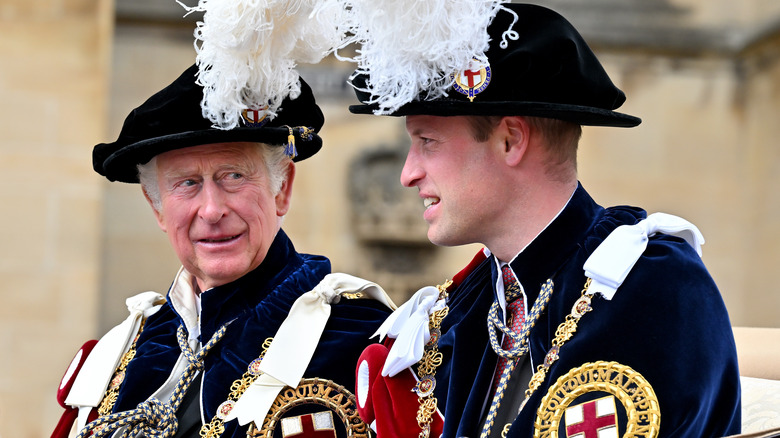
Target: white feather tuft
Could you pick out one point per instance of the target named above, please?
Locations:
(247, 52)
(410, 47)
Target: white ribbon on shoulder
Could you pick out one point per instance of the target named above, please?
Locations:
(93, 379)
(409, 326)
(614, 258)
(293, 346)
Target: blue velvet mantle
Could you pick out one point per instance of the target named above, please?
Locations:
(257, 304)
(667, 321)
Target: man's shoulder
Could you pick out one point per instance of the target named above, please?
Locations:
(313, 266)
(360, 308)
(356, 298)
(476, 272)
(658, 247)
(471, 291)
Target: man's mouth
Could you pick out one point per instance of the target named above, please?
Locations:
(220, 239)
(430, 201)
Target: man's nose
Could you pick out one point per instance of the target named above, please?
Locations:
(412, 172)
(214, 205)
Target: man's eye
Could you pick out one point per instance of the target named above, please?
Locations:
(428, 144)
(232, 179)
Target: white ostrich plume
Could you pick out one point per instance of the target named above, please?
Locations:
(247, 52)
(411, 47)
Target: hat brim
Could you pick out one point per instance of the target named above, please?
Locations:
(582, 115)
(121, 165)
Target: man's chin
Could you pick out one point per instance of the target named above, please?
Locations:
(440, 240)
(211, 278)
(441, 237)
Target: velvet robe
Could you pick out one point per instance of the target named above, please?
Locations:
(256, 304)
(667, 322)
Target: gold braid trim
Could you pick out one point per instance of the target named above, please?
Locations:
(426, 369)
(216, 427)
(107, 404)
(563, 333)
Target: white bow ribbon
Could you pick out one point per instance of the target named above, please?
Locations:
(294, 343)
(409, 326)
(611, 262)
(93, 378)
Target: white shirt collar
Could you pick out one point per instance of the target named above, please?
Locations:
(186, 301)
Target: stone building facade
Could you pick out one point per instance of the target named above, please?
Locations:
(704, 75)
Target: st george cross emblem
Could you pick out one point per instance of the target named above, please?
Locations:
(473, 80)
(316, 408)
(316, 425)
(255, 118)
(593, 419)
(591, 400)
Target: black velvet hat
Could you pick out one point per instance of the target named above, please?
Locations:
(173, 119)
(548, 71)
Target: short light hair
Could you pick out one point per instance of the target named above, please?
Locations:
(561, 137)
(276, 162)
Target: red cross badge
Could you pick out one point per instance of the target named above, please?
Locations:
(316, 408)
(593, 419)
(599, 400)
(255, 117)
(473, 80)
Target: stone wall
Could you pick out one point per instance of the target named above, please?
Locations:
(702, 74)
(53, 94)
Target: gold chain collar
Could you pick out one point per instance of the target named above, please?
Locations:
(216, 427)
(109, 399)
(563, 333)
(426, 370)
(432, 358)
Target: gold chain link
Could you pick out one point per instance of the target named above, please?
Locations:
(564, 332)
(216, 427)
(109, 399)
(431, 360)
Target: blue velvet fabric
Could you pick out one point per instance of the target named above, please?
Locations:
(667, 321)
(256, 304)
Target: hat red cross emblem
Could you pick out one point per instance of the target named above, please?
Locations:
(472, 80)
(255, 117)
(593, 419)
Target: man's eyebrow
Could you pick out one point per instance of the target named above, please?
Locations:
(418, 131)
(178, 173)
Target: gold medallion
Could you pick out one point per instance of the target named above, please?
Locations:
(314, 405)
(565, 404)
(254, 117)
(473, 80)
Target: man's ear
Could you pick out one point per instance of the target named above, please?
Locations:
(157, 214)
(516, 134)
(284, 197)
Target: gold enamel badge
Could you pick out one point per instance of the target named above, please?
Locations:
(583, 403)
(316, 407)
(473, 80)
(255, 118)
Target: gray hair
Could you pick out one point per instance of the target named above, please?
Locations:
(275, 160)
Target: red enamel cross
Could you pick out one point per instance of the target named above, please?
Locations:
(590, 424)
(470, 74)
(308, 430)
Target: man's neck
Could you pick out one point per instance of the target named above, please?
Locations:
(525, 224)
